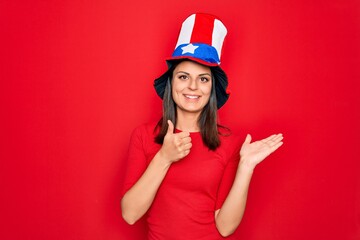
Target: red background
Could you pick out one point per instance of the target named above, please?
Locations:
(76, 78)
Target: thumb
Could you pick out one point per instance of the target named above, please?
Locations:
(170, 129)
(248, 138)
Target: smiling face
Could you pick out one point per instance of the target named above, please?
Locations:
(191, 87)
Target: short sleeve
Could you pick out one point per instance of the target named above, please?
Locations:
(228, 176)
(136, 159)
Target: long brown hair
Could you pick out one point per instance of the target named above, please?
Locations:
(209, 128)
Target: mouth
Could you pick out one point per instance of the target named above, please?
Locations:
(192, 96)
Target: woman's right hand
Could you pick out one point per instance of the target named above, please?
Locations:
(138, 199)
(176, 145)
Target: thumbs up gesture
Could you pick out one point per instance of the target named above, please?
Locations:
(176, 145)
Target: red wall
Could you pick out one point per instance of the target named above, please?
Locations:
(76, 78)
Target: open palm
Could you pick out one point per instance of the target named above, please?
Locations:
(255, 152)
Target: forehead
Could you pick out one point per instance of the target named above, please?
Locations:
(192, 68)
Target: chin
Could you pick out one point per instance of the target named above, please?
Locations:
(190, 109)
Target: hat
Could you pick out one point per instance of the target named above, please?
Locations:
(201, 39)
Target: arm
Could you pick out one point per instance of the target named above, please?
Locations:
(229, 216)
(138, 199)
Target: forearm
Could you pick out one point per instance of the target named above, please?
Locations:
(229, 216)
(139, 198)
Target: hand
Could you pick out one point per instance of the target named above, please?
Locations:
(253, 153)
(176, 145)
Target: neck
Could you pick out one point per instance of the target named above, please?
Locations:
(187, 121)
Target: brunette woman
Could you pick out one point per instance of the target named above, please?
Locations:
(186, 173)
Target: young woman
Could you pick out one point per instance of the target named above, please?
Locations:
(189, 175)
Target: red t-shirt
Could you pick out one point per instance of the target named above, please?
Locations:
(193, 188)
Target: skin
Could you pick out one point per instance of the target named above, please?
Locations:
(191, 92)
(191, 89)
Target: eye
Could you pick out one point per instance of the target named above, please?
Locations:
(183, 77)
(204, 79)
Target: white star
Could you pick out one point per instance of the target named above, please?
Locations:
(189, 49)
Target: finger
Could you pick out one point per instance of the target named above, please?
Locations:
(248, 138)
(186, 140)
(271, 137)
(272, 145)
(278, 138)
(183, 134)
(170, 129)
(187, 146)
(276, 146)
(272, 140)
(186, 152)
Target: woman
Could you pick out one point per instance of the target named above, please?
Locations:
(188, 174)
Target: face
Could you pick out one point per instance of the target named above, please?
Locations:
(191, 86)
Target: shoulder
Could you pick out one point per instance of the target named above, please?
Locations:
(144, 132)
(145, 128)
(143, 138)
(230, 141)
(228, 135)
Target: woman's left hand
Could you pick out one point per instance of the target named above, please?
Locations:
(253, 153)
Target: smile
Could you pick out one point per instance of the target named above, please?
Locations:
(192, 96)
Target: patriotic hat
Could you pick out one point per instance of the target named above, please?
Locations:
(201, 39)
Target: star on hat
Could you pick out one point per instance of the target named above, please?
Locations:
(189, 49)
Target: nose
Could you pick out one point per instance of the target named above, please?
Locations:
(193, 85)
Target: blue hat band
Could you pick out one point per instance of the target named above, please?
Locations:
(200, 51)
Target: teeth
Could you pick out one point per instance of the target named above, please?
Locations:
(192, 97)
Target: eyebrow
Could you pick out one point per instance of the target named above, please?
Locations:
(202, 74)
